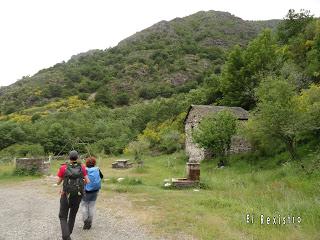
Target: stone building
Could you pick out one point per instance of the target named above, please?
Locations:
(35, 165)
(193, 118)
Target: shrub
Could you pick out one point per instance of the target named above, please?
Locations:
(26, 172)
(122, 99)
(23, 150)
(10, 133)
(137, 148)
(171, 141)
(215, 132)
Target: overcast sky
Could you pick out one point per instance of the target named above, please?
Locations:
(37, 34)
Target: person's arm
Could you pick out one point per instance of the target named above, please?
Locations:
(60, 174)
(86, 179)
(100, 173)
(59, 181)
(85, 175)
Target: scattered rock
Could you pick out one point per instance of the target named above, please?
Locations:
(120, 179)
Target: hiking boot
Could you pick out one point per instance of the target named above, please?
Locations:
(87, 225)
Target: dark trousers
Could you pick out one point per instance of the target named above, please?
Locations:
(68, 207)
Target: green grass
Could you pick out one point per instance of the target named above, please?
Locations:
(8, 174)
(218, 210)
(250, 185)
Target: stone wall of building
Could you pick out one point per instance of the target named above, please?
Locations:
(195, 114)
(195, 153)
(239, 144)
(40, 165)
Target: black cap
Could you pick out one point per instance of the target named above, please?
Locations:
(73, 155)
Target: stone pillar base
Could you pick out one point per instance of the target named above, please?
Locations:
(193, 171)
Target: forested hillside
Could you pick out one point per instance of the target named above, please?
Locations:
(167, 58)
(134, 97)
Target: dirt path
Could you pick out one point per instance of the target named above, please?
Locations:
(29, 210)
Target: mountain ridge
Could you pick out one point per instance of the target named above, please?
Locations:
(165, 58)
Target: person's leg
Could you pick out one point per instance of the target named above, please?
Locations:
(63, 216)
(92, 204)
(74, 203)
(85, 209)
(88, 221)
(91, 207)
(85, 213)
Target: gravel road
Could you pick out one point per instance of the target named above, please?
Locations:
(29, 211)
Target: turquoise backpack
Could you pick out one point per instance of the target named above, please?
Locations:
(95, 180)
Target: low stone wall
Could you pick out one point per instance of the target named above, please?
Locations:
(41, 165)
(239, 144)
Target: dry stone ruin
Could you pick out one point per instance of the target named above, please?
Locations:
(39, 165)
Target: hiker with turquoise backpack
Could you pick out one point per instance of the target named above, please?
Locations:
(91, 192)
(74, 176)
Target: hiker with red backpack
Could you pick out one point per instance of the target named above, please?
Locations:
(91, 192)
(74, 177)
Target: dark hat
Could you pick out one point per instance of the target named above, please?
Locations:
(73, 155)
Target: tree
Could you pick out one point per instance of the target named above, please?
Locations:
(10, 133)
(313, 55)
(137, 148)
(35, 117)
(167, 136)
(309, 106)
(245, 68)
(293, 23)
(54, 138)
(215, 132)
(122, 99)
(277, 115)
(232, 82)
(170, 142)
(104, 97)
(53, 91)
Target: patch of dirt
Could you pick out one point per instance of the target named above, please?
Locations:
(29, 210)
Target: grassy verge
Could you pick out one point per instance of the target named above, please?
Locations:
(8, 174)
